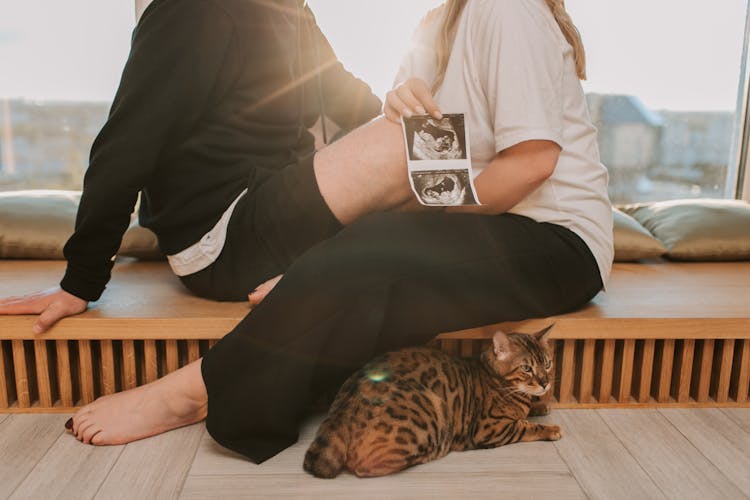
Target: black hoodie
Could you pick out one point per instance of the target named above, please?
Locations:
(216, 96)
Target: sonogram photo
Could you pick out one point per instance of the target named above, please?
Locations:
(443, 187)
(431, 139)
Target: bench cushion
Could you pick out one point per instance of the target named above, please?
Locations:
(632, 241)
(36, 224)
(698, 230)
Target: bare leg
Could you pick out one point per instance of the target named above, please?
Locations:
(364, 172)
(175, 400)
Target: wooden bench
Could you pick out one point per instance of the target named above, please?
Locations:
(668, 334)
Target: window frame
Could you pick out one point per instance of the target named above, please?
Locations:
(741, 143)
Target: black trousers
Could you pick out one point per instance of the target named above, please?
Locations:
(388, 281)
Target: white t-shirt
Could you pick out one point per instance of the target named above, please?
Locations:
(513, 73)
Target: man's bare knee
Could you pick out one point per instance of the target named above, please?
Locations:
(364, 172)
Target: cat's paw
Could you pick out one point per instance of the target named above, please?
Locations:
(539, 409)
(554, 433)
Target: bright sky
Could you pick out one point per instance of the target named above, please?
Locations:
(673, 54)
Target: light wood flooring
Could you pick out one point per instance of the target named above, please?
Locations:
(607, 454)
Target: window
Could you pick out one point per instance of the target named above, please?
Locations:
(663, 91)
(60, 64)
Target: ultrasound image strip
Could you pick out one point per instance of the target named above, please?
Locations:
(438, 158)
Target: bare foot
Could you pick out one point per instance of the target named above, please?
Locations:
(175, 400)
(256, 296)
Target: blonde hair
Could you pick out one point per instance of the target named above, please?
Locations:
(447, 33)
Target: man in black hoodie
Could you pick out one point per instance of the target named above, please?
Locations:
(214, 106)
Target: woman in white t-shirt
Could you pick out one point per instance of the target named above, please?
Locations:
(514, 67)
(539, 245)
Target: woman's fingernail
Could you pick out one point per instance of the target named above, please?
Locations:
(37, 329)
(421, 110)
(438, 115)
(69, 423)
(407, 113)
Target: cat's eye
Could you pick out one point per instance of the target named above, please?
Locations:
(526, 368)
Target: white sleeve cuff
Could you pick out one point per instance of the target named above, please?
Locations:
(505, 140)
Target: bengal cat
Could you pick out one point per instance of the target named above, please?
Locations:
(416, 405)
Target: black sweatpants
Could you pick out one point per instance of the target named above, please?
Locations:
(387, 281)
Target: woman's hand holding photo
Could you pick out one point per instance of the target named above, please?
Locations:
(412, 97)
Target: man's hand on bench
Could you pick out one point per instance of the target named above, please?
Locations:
(51, 305)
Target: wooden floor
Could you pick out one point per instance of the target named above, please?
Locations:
(607, 454)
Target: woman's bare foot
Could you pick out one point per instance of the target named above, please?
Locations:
(256, 296)
(175, 400)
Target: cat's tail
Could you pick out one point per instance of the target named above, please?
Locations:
(326, 456)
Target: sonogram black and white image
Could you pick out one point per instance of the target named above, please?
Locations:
(430, 138)
(443, 187)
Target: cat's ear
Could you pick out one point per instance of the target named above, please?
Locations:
(543, 335)
(501, 345)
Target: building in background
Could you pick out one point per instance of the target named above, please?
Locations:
(650, 155)
(661, 155)
(47, 144)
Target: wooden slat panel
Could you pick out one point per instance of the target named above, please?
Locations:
(467, 348)
(4, 378)
(109, 384)
(193, 350)
(725, 371)
(129, 375)
(607, 371)
(645, 370)
(86, 373)
(665, 371)
(567, 371)
(743, 373)
(587, 371)
(172, 355)
(212, 342)
(703, 384)
(448, 345)
(549, 396)
(42, 374)
(681, 379)
(626, 374)
(150, 365)
(64, 379)
(21, 374)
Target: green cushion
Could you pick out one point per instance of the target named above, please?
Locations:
(698, 229)
(632, 241)
(36, 224)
